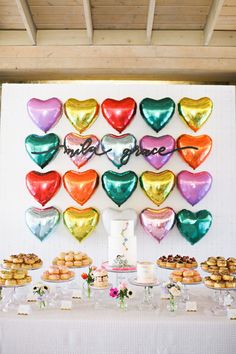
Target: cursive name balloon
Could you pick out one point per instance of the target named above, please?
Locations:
(119, 114)
(43, 186)
(164, 145)
(80, 223)
(81, 114)
(157, 223)
(115, 147)
(193, 226)
(110, 214)
(42, 222)
(45, 114)
(194, 186)
(119, 186)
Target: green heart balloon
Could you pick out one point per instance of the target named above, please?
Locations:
(119, 186)
(193, 226)
(157, 113)
(42, 149)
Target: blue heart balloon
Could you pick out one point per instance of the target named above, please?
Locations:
(42, 222)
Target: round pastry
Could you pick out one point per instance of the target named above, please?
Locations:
(7, 264)
(86, 262)
(221, 263)
(216, 276)
(28, 279)
(53, 276)
(170, 264)
(63, 270)
(163, 264)
(230, 284)
(10, 282)
(60, 262)
(78, 263)
(204, 266)
(19, 275)
(187, 280)
(78, 257)
(188, 273)
(176, 278)
(62, 256)
(227, 277)
(53, 270)
(232, 269)
(211, 261)
(180, 264)
(46, 275)
(65, 276)
(219, 284)
(2, 281)
(6, 275)
(69, 258)
(21, 281)
(177, 272)
(69, 264)
(209, 282)
(197, 278)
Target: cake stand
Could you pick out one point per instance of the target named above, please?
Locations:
(146, 303)
(100, 294)
(225, 299)
(118, 271)
(12, 302)
(58, 292)
(74, 284)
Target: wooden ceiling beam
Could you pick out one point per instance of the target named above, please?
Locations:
(27, 19)
(212, 17)
(88, 20)
(150, 19)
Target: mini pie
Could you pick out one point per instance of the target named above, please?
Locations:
(177, 261)
(22, 261)
(14, 277)
(221, 280)
(219, 264)
(72, 259)
(57, 273)
(185, 276)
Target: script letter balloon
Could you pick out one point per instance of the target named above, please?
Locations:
(157, 223)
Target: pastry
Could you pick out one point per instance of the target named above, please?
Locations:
(219, 264)
(100, 278)
(177, 261)
(185, 276)
(220, 280)
(22, 260)
(14, 277)
(72, 259)
(57, 273)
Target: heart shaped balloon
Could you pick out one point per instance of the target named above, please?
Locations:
(119, 114)
(194, 157)
(78, 148)
(157, 223)
(43, 186)
(112, 214)
(115, 147)
(81, 114)
(157, 113)
(163, 146)
(45, 114)
(119, 186)
(81, 185)
(194, 186)
(195, 112)
(194, 226)
(42, 149)
(81, 223)
(42, 222)
(157, 186)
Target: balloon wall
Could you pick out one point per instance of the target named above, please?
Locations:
(185, 200)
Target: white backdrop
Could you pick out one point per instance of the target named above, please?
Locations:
(15, 164)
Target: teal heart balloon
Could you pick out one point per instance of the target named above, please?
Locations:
(119, 186)
(194, 226)
(42, 149)
(157, 113)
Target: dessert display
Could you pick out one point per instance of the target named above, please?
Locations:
(146, 272)
(14, 277)
(100, 278)
(57, 274)
(72, 259)
(220, 280)
(122, 244)
(186, 276)
(22, 261)
(219, 264)
(177, 261)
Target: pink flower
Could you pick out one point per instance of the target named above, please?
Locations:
(114, 292)
(123, 285)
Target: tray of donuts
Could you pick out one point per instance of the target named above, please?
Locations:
(186, 276)
(28, 261)
(72, 259)
(176, 262)
(57, 274)
(14, 278)
(220, 280)
(219, 264)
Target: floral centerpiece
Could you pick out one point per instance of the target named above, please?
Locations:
(42, 292)
(173, 290)
(121, 293)
(89, 278)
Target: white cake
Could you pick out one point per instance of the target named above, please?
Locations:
(146, 272)
(122, 244)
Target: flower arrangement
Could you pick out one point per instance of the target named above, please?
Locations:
(89, 278)
(173, 290)
(121, 294)
(41, 291)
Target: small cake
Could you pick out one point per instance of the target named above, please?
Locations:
(186, 276)
(14, 277)
(22, 261)
(72, 259)
(100, 278)
(177, 261)
(146, 272)
(57, 273)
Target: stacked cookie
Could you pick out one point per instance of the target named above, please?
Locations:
(22, 261)
(72, 259)
(14, 277)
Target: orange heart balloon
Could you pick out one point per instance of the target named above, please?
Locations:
(81, 185)
(194, 157)
(195, 112)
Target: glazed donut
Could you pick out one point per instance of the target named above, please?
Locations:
(187, 280)
(188, 273)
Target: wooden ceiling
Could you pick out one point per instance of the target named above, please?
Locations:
(198, 30)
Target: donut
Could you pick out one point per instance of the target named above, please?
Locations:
(53, 270)
(177, 278)
(177, 272)
(69, 264)
(54, 277)
(187, 280)
(78, 263)
(188, 273)
(10, 282)
(197, 279)
(216, 276)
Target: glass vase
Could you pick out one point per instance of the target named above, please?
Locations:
(122, 304)
(172, 305)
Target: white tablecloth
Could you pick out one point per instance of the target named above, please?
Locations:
(84, 330)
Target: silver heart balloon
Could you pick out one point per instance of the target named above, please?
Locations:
(112, 214)
(41, 222)
(115, 145)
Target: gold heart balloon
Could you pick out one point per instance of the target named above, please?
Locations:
(81, 114)
(81, 223)
(157, 186)
(195, 112)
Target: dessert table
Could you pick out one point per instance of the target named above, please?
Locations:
(85, 330)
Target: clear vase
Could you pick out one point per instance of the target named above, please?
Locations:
(172, 305)
(41, 302)
(122, 304)
(87, 291)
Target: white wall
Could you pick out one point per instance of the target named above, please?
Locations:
(15, 163)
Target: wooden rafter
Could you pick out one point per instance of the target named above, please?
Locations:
(212, 17)
(150, 19)
(88, 20)
(27, 19)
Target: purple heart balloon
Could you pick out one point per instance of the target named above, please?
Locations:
(194, 186)
(151, 142)
(45, 114)
(157, 223)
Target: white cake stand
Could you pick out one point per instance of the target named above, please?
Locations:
(220, 308)
(146, 303)
(99, 302)
(118, 272)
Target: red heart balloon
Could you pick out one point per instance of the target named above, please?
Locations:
(119, 113)
(81, 185)
(43, 186)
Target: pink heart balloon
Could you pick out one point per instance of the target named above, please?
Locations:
(157, 223)
(159, 159)
(45, 114)
(74, 144)
(194, 186)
